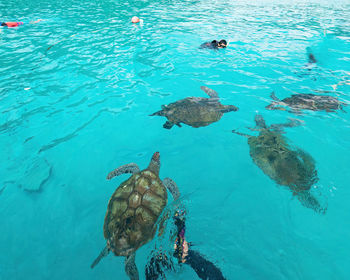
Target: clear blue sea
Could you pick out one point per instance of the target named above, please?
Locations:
(76, 91)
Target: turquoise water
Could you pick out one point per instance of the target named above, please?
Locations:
(76, 91)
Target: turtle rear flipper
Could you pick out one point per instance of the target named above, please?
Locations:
(309, 201)
(341, 106)
(103, 254)
(229, 108)
(212, 93)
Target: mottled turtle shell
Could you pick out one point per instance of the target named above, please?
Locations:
(313, 102)
(194, 111)
(286, 166)
(133, 211)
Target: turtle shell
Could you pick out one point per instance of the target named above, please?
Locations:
(313, 102)
(133, 211)
(194, 111)
(286, 166)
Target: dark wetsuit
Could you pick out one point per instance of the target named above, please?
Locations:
(209, 45)
(205, 269)
(312, 58)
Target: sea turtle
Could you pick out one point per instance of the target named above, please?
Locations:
(284, 164)
(306, 102)
(195, 111)
(133, 211)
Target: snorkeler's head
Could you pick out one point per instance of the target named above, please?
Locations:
(3, 23)
(135, 19)
(222, 44)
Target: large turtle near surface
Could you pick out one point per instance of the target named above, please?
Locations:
(303, 101)
(195, 111)
(133, 211)
(284, 164)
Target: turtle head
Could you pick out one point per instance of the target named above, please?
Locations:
(259, 121)
(154, 165)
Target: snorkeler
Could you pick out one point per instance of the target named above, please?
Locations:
(205, 269)
(214, 45)
(16, 23)
(136, 19)
(11, 24)
(312, 58)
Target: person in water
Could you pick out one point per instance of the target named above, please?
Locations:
(214, 45)
(136, 19)
(205, 269)
(11, 24)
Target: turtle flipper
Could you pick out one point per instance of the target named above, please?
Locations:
(159, 113)
(293, 123)
(212, 93)
(172, 187)
(274, 97)
(241, 134)
(290, 123)
(229, 108)
(103, 254)
(341, 106)
(275, 106)
(309, 201)
(168, 125)
(127, 168)
(130, 267)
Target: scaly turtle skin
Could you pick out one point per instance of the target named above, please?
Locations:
(307, 102)
(133, 211)
(284, 164)
(195, 111)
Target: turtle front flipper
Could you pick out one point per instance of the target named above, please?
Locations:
(229, 108)
(159, 113)
(290, 123)
(131, 268)
(127, 168)
(274, 97)
(103, 254)
(212, 93)
(276, 101)
(273, 106)
(241, 134)
(168, 125)
(172, 187)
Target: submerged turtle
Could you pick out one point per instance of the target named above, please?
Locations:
(284, 164)
(195, 111)
(306, 102)
(133, 211)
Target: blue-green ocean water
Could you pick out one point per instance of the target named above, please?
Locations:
(76, 91)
